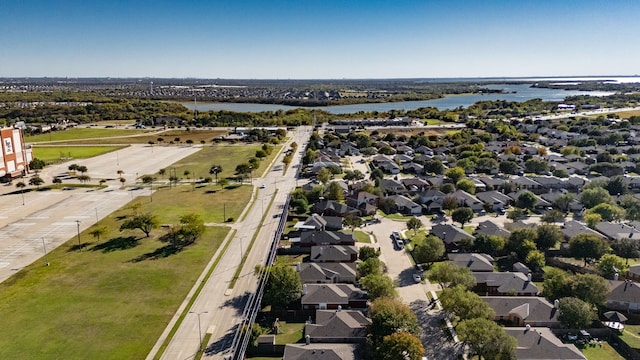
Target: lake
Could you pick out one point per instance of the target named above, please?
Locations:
(511, 93)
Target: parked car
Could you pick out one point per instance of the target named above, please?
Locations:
(399, 244)
(395, 235)
(417, 278)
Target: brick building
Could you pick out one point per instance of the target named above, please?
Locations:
(15, 158)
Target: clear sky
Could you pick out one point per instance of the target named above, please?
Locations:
(302, 39)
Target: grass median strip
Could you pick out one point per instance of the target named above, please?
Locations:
(236, 275)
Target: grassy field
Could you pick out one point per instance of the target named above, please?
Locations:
(362, 237)
(81, 133)
(160, 137)
(606, 352)
(51, 154)
(290, 333)
(227, 156)
(111, 300)
(628, 114)
(631, 335)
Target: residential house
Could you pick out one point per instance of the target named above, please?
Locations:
(452, 236)
(334, 208)
(617, 231)
(392, 187)
(334, 253)
(540, 203)
(541, 344)
(415, 185)
(413, 168)
(320, 352)
(504, 284)
(490, 228)
(523, 310)
(366, 202)
(338, 326)
(574, 228)
(405, 206)
(331, 296)
(317, 238)
(472, 261)
(468, 200)
(551, 197)
(623, 295)
(495, 199)
(320, 223)
(327, 273)
(525, 183)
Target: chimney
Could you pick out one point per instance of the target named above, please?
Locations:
(615, 276)
(556, 303)
(307, 339)
(339, 308)
(529, 277)
(527, 328)
(298, 267)
(304, 289)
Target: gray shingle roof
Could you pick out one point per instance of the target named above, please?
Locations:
(542, 344)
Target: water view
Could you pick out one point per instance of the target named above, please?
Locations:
(511, 93)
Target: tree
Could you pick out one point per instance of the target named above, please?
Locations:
(515, 214)
(243, 169)
(627, 249)
(462, 215)
(324, 175)
(608, 212)
(592, 219)
(455, 174)
(487, 339)
(589, 287)
(535, 259)
(526, 200)
(215, 170)
(367, 252)
(552, 216)
(521, 241)
(556, 284)
(465, 304)
(36, 181)
(147, 179)
(191, 228)
(83, 169)
(334, 192)
(561, 173)
(466, 185)
(575, 313)
(536, 166)
(378, 286)
(563, 201)
(144, 222)
(37, 165)
(389, 316)
(489, 244)
(352, 221)
(261, 154)
(509, 167)
(283, 286)
(448, 273)
(631, 205)
(98, 232)
(430, 250)
(56, 180)
(414, 224)
(587, 247)
(84, 178)
(400, 345)
(616, 186)
(186, 173)
(120, 173)
(370, 266)
(161, 172)
(449, 203)
(610, 264)
(548, 236)
(594, 196)
(123, 180)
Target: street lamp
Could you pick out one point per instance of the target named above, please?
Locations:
(78, 223)
(199, 328)
(46, 256)
(251, 175)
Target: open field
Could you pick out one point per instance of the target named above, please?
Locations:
(81, 133)
(50, 154)
(628, 114)
(111, 300)
(227, 156)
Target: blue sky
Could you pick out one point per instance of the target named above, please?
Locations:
(281, 39)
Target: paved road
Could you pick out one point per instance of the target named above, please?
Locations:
(220, 309)
(51, 216)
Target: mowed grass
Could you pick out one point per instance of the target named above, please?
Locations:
(210, 201)
(103, 302)
(167, 136)
(80, 133)
(606, 352)
(50, 154)
(227, 156)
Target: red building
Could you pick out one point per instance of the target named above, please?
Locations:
(15, 159)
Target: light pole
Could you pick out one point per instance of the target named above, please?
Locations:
(97, 215)
(46, 256)
(199, 328)
(78, 223)
(251, 175)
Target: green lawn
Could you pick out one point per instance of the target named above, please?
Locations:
(111, 300)
(214, 204)
(227, 156)
(396, 216)
(631, 335)
(362, 237)
(290, 333)
(80, 133)
(51, 154)
(606, 352)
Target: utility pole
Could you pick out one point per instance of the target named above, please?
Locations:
(78, 223)
(46, 256)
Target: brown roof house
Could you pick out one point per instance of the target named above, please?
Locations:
(623, 295)
(524, 310)
(338, 326)
(334, 253)
(317, 238)
(330, 296)
(541, 344)
(451, 235)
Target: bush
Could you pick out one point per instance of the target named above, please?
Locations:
(230, 219)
